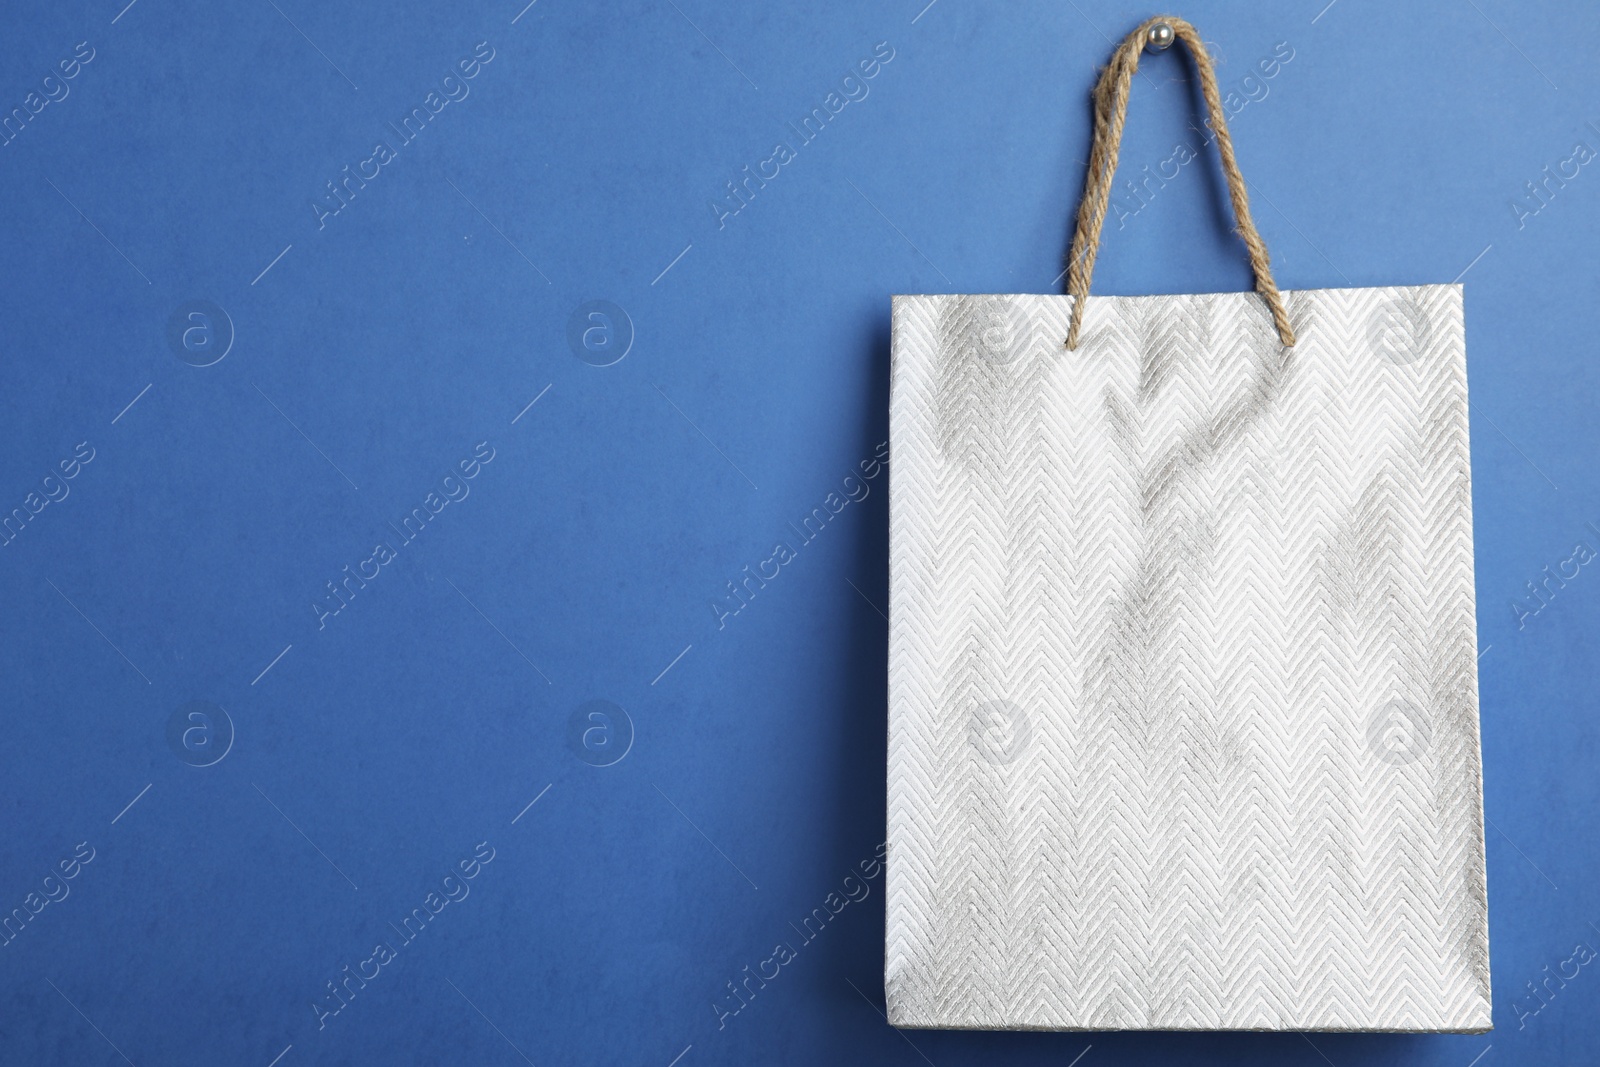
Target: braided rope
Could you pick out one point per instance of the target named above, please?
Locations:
(1110, 112)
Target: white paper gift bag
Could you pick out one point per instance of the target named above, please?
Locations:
(1183, 716)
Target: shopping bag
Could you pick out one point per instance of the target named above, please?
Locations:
(1183, 715)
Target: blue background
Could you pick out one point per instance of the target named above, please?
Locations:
(374, 748)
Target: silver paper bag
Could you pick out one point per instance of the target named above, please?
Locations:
(1183, 718)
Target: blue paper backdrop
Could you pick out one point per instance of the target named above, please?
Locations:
(245, 745)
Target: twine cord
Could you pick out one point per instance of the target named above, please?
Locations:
(1110, 111)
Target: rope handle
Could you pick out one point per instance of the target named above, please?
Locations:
(1110, 111)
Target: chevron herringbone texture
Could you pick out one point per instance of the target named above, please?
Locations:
(1183, 703)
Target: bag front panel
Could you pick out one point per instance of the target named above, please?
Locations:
(1183, 692)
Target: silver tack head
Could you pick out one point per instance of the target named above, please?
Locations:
(1160, 37)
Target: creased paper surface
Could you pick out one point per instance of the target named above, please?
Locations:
(1183, 717)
